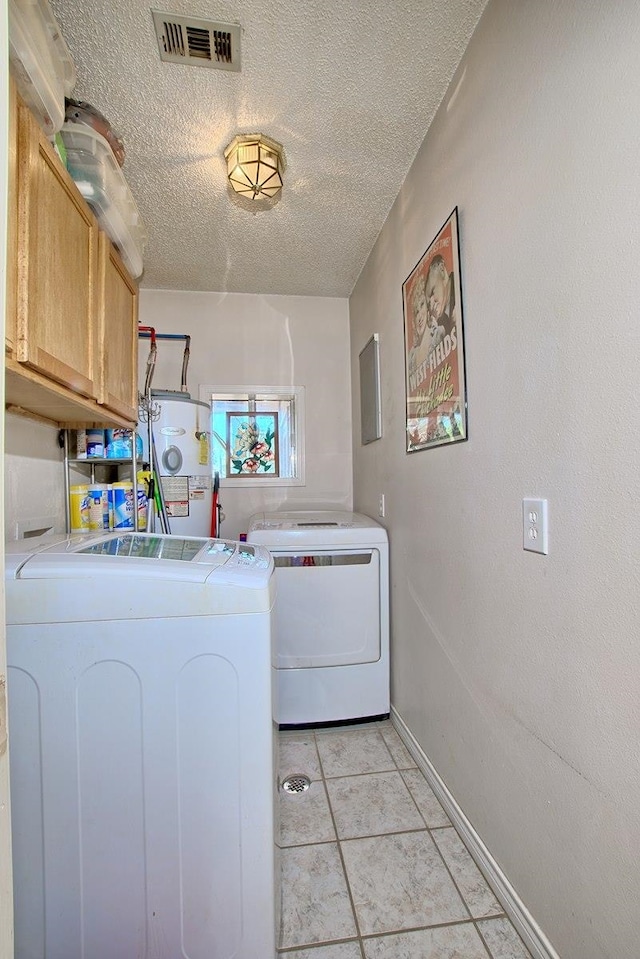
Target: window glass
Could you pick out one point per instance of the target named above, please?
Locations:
(257, 434)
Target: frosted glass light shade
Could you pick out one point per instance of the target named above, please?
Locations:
(255, 165)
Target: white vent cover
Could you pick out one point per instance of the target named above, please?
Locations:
(197, 43)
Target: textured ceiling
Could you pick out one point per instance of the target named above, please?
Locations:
(348, 88)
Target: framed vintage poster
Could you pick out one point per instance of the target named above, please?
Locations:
(434, 345)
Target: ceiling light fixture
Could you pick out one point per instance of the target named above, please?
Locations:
(255, 165)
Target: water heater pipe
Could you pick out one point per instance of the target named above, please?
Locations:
(142, 332)
(149, 332)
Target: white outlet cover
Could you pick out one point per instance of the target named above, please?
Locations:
(535, 527)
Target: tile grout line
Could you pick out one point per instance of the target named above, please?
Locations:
(369, 772)
(287, 950)
(515, 912)
(338, 843)
(482, 939)
(360, 938)
(398, 832)
(493, 915)
(415, 801)
(452, 924)
(429, 830)
(451, 876)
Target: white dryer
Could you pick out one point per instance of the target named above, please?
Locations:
(142, 747)
(331, 620)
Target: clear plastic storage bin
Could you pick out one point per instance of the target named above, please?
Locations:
(94, 168)
(40, 61)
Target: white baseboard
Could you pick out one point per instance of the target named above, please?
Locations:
(528, 929)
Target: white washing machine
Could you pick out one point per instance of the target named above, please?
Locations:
(142, 747)
(331, 621)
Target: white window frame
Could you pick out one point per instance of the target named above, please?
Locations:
(207, 391)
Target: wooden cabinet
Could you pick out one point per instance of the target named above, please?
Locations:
(117, 333)
(57, 267)
(72, 347)
(12, 222)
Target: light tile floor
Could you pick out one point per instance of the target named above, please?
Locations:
(371, 865)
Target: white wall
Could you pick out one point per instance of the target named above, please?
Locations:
(520, 674)
(242, 339)
(236, 339)
(33, 475)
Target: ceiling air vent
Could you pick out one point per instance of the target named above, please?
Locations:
(197, 43)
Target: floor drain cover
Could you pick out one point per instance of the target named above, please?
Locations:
(295, 784)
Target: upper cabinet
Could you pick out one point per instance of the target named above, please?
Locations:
(72, 322)
(12, 222)
(117, 333)
(57, 267)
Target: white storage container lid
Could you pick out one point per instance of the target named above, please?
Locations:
(94, 168)
(40, 60)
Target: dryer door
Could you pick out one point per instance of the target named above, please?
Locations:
(327, 609)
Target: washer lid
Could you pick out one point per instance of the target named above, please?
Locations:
(143, 556)
(314, 528)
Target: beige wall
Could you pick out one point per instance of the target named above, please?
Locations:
(520, 674)
(287, 341)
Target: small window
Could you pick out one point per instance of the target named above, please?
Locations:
(257, 434)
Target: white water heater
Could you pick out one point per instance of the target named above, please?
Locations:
(181, 430)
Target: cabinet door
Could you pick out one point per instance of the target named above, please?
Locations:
(12, 223)
(118, 333)
(57, 266)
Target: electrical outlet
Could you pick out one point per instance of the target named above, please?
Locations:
(381, 506)
(535, 533)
